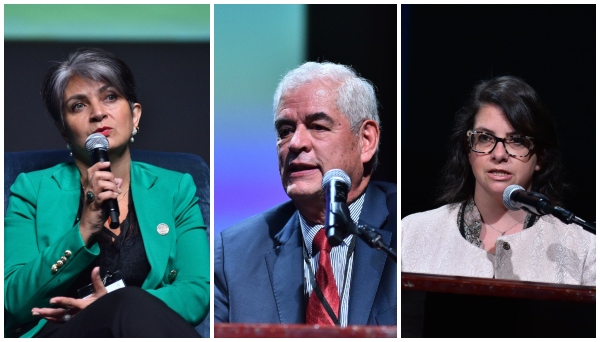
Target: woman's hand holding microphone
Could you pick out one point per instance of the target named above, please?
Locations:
(101, 186)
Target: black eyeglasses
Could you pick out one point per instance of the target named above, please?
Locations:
(514, 145)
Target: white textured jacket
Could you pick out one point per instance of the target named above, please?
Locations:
(549, 251)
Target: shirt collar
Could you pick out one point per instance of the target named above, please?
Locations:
(310, 229)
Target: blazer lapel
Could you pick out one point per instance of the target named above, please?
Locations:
(61, 205)
(285, 275)
(368, 264)
(151, 211)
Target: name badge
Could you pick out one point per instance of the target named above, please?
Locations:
(111, 283)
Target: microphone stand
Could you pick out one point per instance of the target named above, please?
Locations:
(373, 239)
(568, 218)
(541, 206)
(338, 224)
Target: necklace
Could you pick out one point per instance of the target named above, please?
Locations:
(504, 232)
(123, 196)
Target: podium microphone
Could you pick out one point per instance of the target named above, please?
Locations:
(336, 184)
(515, 197)
(97, 146)
(338, 223)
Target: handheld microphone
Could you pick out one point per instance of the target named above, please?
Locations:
(336, 184)
(97, 146)
(515, 197)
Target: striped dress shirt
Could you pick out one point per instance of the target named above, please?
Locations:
(338, 256)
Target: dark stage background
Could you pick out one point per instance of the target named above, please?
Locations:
(363, 36)
(447, 49)
(173, 86)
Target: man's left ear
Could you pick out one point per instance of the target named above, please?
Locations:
(369, 138)
(136, 114)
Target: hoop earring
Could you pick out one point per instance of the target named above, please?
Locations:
(70, 148)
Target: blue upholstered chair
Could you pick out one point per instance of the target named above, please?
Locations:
(18, 162)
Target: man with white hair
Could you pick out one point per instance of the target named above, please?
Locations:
(277, 267)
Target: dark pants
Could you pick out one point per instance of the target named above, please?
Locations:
(126, 312)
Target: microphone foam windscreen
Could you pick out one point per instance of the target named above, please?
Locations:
(336, 173)
(96, 140)
(506, 196)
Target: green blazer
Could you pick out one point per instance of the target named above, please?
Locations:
(40, 226)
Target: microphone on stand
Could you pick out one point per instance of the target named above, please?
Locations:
(97, 146)
(338, 223)
(515, 197)
(336, 184)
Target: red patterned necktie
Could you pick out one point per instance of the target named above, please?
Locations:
(315, 311)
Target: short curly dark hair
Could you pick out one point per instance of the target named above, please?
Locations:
(524, 110)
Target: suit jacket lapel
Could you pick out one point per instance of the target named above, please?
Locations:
(148, 200)
(64, 187)
(285, 275)
(368, 262)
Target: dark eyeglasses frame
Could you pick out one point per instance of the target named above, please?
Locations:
(502, 140)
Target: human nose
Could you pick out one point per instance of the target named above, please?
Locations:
(499, 151)
(98, 112)
(300, 140)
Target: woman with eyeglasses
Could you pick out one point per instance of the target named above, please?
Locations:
(503, 136)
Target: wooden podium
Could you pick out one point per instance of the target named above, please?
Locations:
(448, 306)
(237, 330)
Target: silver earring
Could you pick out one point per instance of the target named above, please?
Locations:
(70, 148)
(135, 131)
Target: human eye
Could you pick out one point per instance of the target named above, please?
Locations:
(485, 138)
(519, 141)
(111, 97)
(284, 131)
(77, 106)
(318, 127)
(320, 124)
(515, 140)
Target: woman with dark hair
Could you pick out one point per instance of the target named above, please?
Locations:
(503, 136)
(149, 275)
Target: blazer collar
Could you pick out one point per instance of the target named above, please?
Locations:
(141, 177)
(68, 178)
(376, 208)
